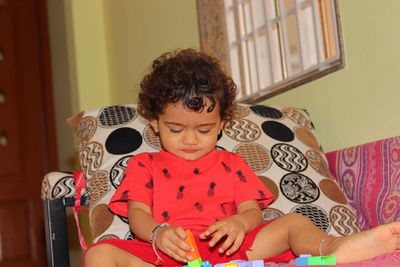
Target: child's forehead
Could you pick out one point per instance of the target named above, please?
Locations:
(179, 112)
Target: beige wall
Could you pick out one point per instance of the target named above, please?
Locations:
(361, 102)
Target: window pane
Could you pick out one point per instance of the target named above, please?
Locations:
(276, 54)
(308, 37)
(247, 17)
(251, 53)
(329, 28)
(260, 13)
(294, 51)
(264, 59)
(288, 4)
(270, 9)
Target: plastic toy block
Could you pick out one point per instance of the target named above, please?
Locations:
(242, 263)
(306, 260)
(191, 242)
(302, 260)
(322, 260)
(195, 263)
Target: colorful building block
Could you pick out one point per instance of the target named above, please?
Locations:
(197, 261)
(241, 263)
(308, 260)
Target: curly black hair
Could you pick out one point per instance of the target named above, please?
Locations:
(186, 76)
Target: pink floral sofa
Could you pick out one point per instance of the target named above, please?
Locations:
(341, 191)
(369, 175)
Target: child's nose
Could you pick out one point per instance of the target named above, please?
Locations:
(190, 138)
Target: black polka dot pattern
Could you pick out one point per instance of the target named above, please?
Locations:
(267, 112)
(123, 141)
(116, 116)
(278, 131)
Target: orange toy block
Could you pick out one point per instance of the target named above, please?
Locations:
(191, 242)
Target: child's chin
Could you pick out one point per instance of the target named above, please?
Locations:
(191, 156)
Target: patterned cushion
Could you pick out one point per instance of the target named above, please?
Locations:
(369, 174)
(278, 143)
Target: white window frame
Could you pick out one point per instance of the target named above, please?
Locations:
(267, 66)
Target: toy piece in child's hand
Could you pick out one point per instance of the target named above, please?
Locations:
(191, 242)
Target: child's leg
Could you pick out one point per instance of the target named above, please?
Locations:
(106, 255)
(298, 233)
(291, 231)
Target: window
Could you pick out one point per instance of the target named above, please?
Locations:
(271, 46)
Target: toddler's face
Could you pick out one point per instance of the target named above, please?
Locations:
(188, 134)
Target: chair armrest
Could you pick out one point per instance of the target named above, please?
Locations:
(59, 185)
(58, 192)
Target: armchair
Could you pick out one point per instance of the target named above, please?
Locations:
(279, 143)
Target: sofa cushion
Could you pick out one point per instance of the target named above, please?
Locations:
(278, 143)
(369, 174)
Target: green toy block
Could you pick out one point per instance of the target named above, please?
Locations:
(322, 260)
(195, 263)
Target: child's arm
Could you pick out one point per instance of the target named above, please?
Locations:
(170, 240)
(235, 227)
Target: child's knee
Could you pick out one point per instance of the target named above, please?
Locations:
(297, 219)
(102, 251)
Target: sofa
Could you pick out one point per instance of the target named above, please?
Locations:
(342, 192)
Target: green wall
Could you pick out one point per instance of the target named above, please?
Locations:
(360, 103)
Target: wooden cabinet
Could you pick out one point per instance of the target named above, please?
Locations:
(27, 133)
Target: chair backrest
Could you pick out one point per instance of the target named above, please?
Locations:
(278, 143)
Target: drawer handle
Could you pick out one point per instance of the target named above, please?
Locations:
(2, 97)
(3, 139)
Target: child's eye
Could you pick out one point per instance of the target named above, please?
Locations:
(204, 131)
(175, 130)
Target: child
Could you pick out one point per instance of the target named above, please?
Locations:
(190, 185)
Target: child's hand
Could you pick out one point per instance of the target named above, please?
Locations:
(231, 228)
(171, 241)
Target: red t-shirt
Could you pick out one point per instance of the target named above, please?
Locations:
(192, 194)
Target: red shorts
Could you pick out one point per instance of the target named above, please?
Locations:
(144, 251)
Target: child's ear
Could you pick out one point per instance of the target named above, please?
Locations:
(222, 124)
(154, 124)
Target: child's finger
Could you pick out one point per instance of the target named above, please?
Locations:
(236, 244)
(178, 254)
(217, 236)
(183, 245)
(227, 243)
(211, 229)
(180, 232)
